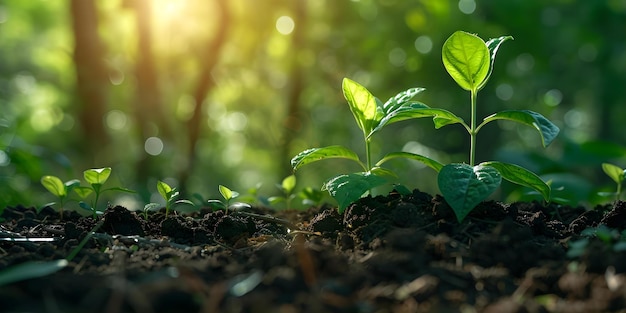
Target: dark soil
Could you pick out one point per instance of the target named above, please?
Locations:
(386, 254)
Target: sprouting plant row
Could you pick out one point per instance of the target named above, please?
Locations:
(469, 60)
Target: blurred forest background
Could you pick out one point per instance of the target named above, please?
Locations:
(207, 92)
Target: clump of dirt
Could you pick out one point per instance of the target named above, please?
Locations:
(394, 253)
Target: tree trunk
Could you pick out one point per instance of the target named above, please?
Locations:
(91, 76)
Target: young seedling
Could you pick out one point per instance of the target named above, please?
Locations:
(371, 116)
(170, 195)
(228, 196)
(469, 60)
(59, 189)
(617, 174)
(286, 187)
(311, 196)
(96, 177)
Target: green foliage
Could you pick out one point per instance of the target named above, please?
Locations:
(59, 189)
(170, 195)
(287, 187)
(94, 177)
(612, 239)
(228, 195)
(617, 174)
(371, 115)
(469, 61)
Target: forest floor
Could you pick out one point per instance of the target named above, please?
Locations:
(395, 253)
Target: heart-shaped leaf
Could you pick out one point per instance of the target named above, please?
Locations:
(466, 58)
(464, 186)
(54, 185)
(348, 188)
(547, 129)
(615, 172)
(363, 105)
(521, 176)
(97, 176)
(318, 154)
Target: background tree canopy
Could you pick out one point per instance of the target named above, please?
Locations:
(201, 93)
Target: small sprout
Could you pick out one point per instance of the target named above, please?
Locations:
(287, 187)
(617, 174)
(96, 177)
(170, 195)
(228, 195)
(59, 189)
(311, 196)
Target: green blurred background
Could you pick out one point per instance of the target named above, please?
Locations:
(207, 92)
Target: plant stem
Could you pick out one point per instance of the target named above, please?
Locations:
(367, 154)
(473, 130)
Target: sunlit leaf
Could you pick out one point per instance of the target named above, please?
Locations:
(464, 186)
(547, 129)
(415, 110)
(400, 99)
(521, 176)
(615, 172)
(226, 193)
(289, 183)
(82, 191)
(164, 189)
(493, 45)
(351, 187)
(466, 58)
(362, 104)
(318, 154)
(54, 185)
(97, 175)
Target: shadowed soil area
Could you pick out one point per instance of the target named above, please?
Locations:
(394, 253)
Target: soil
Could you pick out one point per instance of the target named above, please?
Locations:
(394, 253)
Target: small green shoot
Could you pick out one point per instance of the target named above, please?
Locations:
(96, 177)
(228, 195)
(617, 174)
(59, 189)
(168, 194)
(311, 196)
(287, 187)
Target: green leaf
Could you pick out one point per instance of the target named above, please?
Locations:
(348, 188)
(151, 206)
(362, 104)
(415, 110)
(407, 155)
(30, 269)
(83, 192)
(547, 129)
(464, 186)
(466, 58)
(288, 184)
(401, 99)
(185, 201)
(227, 193)
(70, 184)
(54, 185)
(493, 45)
(164, 190)
(120, 189)
(316, 154)
(97, 175)
(615, 172)
(521, 176)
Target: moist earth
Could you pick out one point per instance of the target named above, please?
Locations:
(394, 253)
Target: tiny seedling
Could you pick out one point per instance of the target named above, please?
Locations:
(96, 177)
(311, 196)
(228, 196)
(168, 194)
(59, 189)
(617, 174)
(287, 187)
